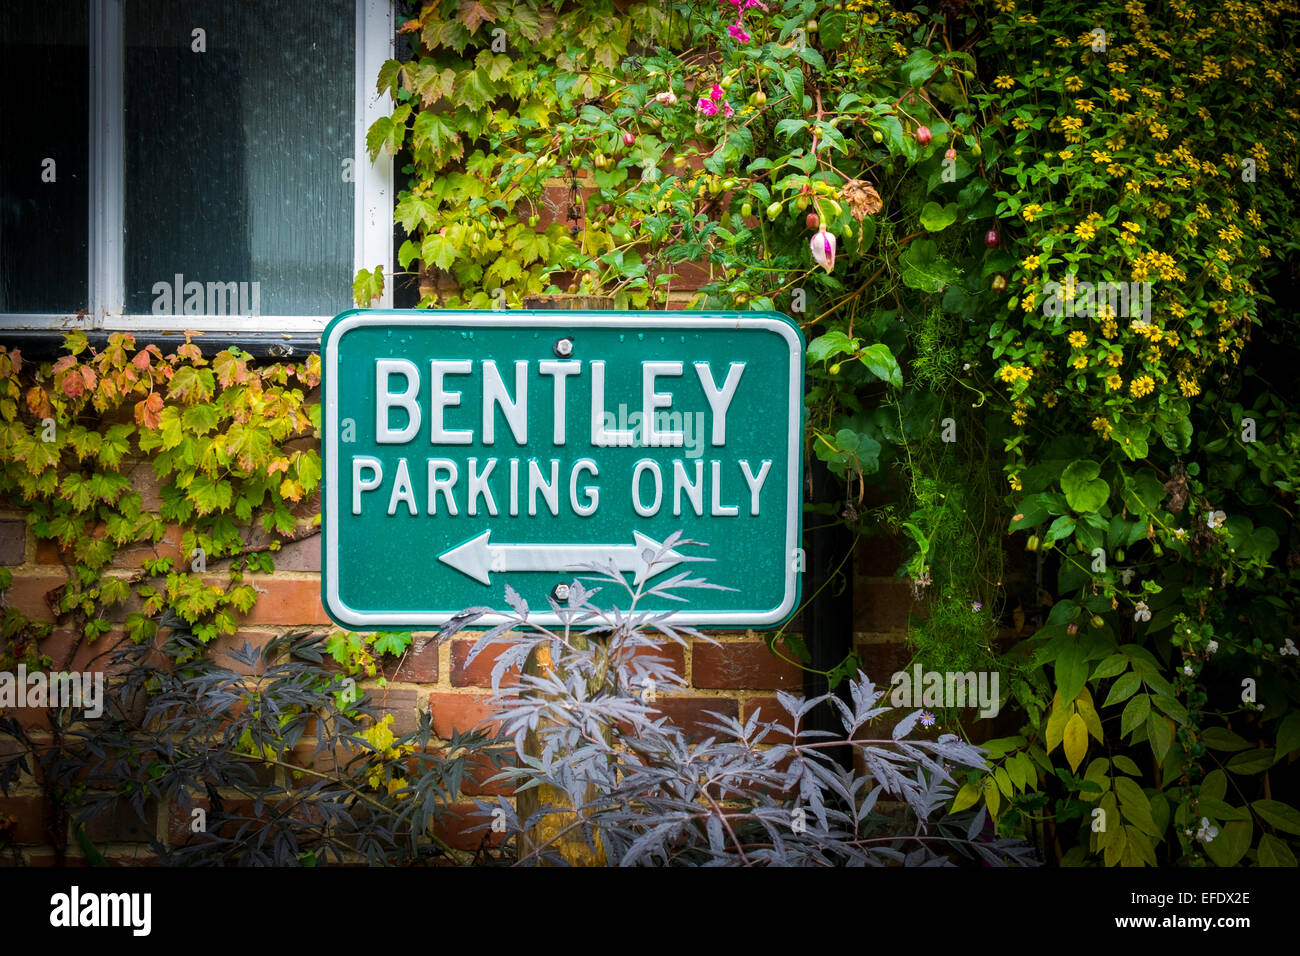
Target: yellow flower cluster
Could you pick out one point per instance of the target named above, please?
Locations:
(1102, 425)
(1013, 373)
(1078, 339)
(1142, 385)
(1160, 263)
(1188, 386)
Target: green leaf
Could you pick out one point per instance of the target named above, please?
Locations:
(1251, 761)
(1274, 852)
(1135, 711)
(923, 269)
(967, 796)
(1288, 734)
(1231, 844)
(1281, 816)
(936, 218)
(1123, 689)
(1084, 491)
(1221, 738)
(1071, 669)
(880, 361)
(1061, 528)
(830, 344)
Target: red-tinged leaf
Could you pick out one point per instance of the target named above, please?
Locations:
(278, 464)
(190, 353)
(148, 413)
(65, 363)
(141, 360)
(90, 377)
(39, 402)
(472, 14)
(291, 490)
(71, 384)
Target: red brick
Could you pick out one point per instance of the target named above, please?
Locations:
(770, 711)
(30, 819)
(13, 541)
(419, 665)
(145, 483)
(180, 820)
(462, 712)
(121, 824)
(741, 665)
(879, 557)
(689, 713)
(881, 604)
(882, 660)
(401, 702)
(285, 601)
(478, 672)
(220, 650)
(478, 771)
(453, 829)
(27, 594)
(168, 546)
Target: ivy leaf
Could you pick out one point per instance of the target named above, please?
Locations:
(923, 269)
(438, 251)
(1084, 491)
(366, 288)
(392, 642)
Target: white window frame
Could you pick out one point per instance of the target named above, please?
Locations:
(372, 188)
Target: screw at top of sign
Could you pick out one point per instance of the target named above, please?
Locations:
(564, 348)
(561, 592)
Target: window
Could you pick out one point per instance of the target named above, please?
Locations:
(215, 175)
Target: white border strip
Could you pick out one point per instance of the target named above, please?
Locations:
(330, 354)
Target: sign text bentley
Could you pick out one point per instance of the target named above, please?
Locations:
(467, 450)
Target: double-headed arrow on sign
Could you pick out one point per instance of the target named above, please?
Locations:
(478, 557)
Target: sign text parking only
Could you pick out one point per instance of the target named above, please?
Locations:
(465, 451)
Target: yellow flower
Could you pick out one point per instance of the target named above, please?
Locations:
(1005, 6)
(1264, 251)
(1253, 218)
(1014, 482)
(1080, 361)
(1083, 106)
(1030, 211)
(1019, 417)
(1131, 226)
(1142, 385)
(1004, 82)
(1030, 263)
(1119, 95)
(1109, 328)
(1020, 123)
(1100, 156)
(1114, 383)
(1116, 359)
(1188, 386)
(1073, 84)
(1102, 425)
(1085, 230)
(1078, 339)
(1066, 154)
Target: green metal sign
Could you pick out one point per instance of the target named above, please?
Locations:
(464, 451)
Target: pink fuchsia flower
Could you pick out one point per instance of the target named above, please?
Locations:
(823, 248)
(737, 31)
(707, 106)
(715, 94)
(727, 111)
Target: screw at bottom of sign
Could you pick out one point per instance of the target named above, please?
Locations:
(561, 592)
(564, 348)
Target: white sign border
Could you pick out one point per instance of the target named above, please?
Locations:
(565, 321)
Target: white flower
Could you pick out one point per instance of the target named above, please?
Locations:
(1211, 647)
(1141, 612)
(667, 96)
(1180, 533)
(965, 366)
(1187, 669)
(1126, 576)
(1206, 833)
(1216, 519)
(1290, 648)
(823, 248)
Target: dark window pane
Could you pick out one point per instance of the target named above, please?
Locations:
(44, 129)
(236, 138)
